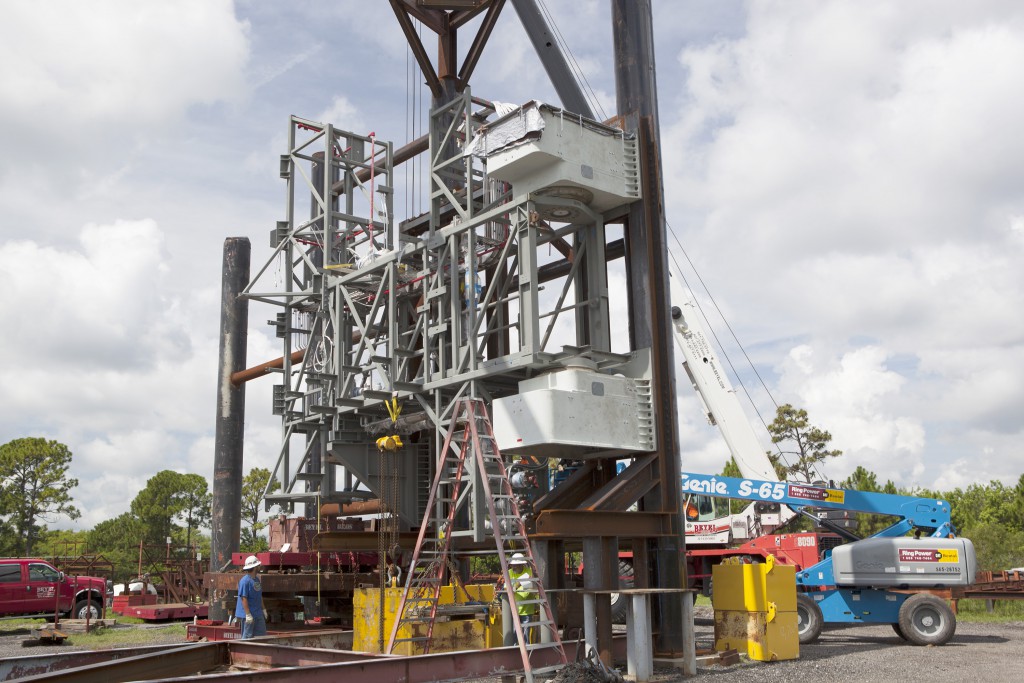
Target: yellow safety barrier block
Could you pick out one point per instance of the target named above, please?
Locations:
(479, 627)
(755, 609)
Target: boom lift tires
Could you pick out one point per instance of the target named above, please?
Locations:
(620, 602)
(925, 619)
(809, 619)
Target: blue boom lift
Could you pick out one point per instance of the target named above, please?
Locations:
(882, 579)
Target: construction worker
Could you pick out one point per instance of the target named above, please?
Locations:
(250, 600)
(523, 587)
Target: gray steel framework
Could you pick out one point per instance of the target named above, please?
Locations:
(383, 316)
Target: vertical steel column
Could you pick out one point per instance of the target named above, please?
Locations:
(227, 464)
(600, 573)
(647, 273)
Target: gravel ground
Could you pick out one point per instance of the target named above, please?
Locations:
(979, 652)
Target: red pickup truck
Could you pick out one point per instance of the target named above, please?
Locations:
(31, 587)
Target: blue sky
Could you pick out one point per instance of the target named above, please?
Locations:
(846, 176)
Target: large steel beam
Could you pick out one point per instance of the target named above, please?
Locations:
(186, 661)
(647, 274)
(544, 42)
(226, 523)
(553, 524)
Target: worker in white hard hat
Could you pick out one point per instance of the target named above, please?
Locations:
(523, 587)
(249, 608)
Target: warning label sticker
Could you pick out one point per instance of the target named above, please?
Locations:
(815, 493)
(929, 555)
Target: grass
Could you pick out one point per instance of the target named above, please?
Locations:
(117, 637)
(105, 637)
(1003, 610)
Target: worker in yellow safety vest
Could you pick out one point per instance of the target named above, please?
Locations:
(523, 587)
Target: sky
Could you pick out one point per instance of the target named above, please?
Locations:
(845, 176)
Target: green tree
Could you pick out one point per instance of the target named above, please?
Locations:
(35, 486)
(118, 540)
(806, 443)
(160, 504)
(864, 479)
(731, 469)
(254, 487)
(195, 502)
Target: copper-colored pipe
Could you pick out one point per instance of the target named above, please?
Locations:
(402, 154)
(358, 507)
(243, 376)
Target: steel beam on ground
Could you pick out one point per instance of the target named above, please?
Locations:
(184, 661)
(419, 669)
(21, 667)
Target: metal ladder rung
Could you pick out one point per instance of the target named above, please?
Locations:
(541, 646)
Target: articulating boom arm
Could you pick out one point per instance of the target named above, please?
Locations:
(926, 514)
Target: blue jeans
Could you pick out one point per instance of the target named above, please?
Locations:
(256, 627)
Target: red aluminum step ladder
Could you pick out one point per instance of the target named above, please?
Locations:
(470, 440)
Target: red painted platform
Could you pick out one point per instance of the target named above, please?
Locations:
(212, 631)
(173, 610)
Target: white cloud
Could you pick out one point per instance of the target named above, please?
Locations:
(846, 173)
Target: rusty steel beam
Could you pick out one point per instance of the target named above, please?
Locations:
(257, 371)
(572, 492)
(482, 34)
(256, 654)
(294, 583)
(359, 540)
(403, 154)
(628, 487)
(22, 667)
(184, 661)
(358, 507)
(445, 666)
(554, 524)
(426, 66)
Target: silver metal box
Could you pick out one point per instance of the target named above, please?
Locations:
(574, 413)
(542, 149)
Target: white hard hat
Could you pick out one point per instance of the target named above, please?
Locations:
(251, 563)
(518, 558)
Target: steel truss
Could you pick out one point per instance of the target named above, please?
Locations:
(379, 314)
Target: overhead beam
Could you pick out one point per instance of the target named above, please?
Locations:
(551, 57)
(477, 48)
(402, 11)
(555, 524)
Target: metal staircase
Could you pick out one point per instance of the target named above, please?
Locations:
(470, 457)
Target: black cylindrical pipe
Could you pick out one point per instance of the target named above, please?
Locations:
(227, 460)
(647, 274)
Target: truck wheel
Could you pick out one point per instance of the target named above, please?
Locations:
(620, 602)
(87, 608)
(898, 631)
(808, 619)
(926, 620)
